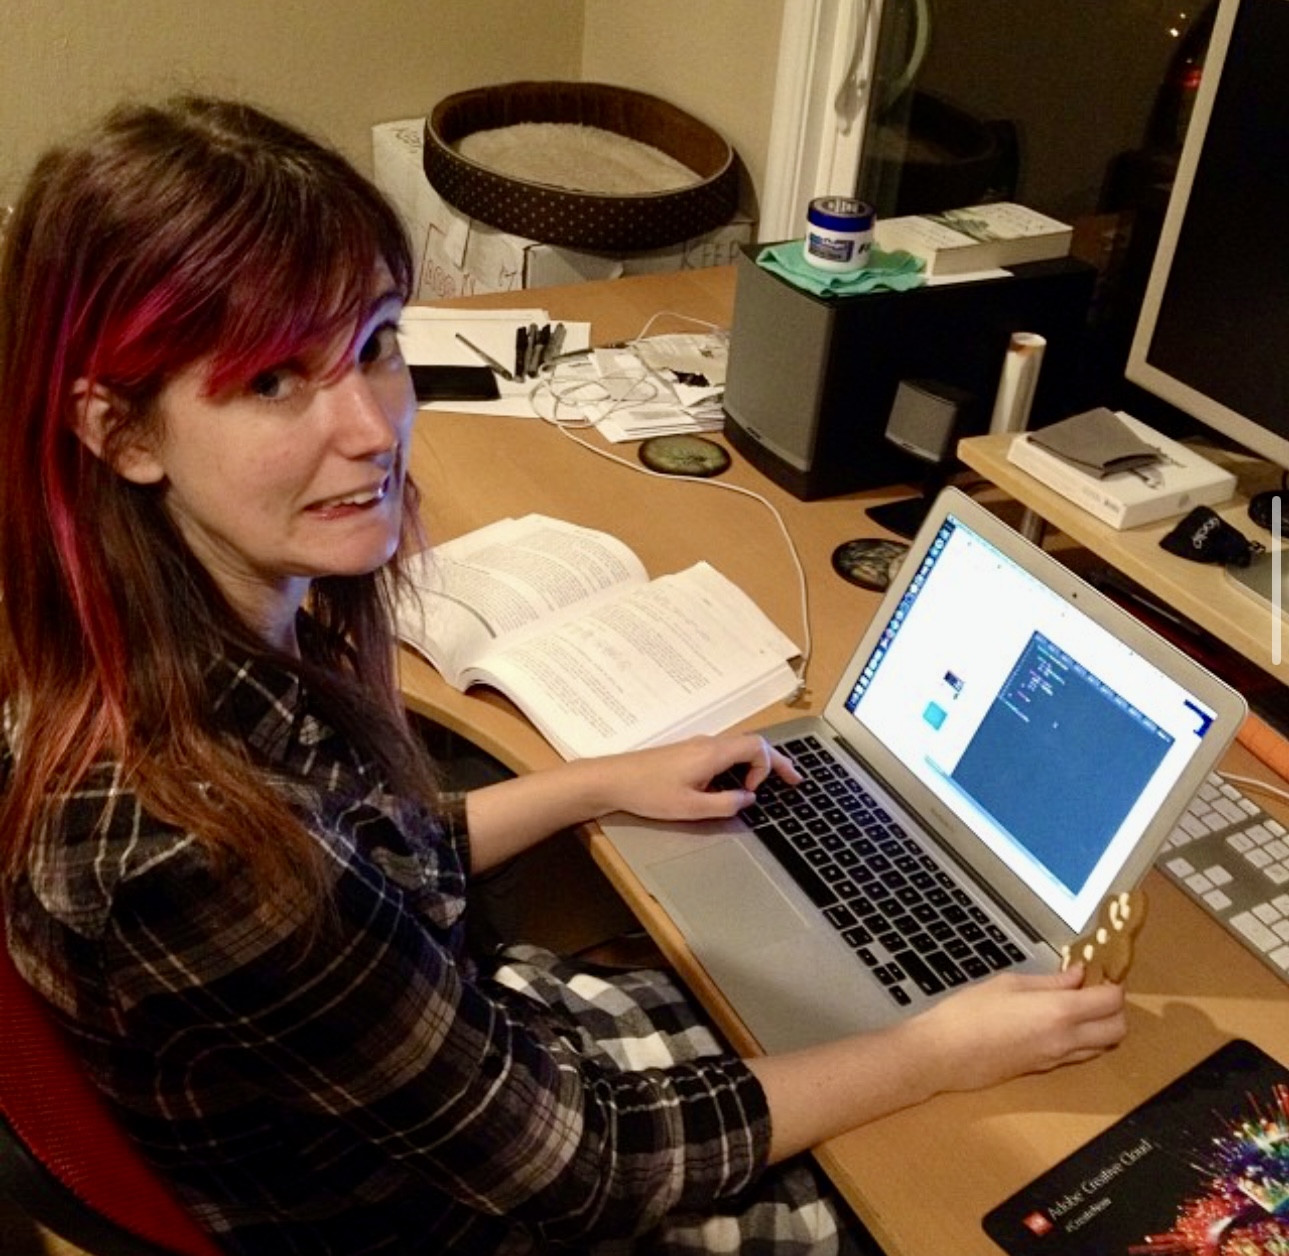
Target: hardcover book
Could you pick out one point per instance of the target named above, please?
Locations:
(566, 622)
(980, 237)
(1199, 1169)
(1180, 479)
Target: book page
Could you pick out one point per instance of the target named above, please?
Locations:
(506, 579)
(687, 653)
(1002, 220)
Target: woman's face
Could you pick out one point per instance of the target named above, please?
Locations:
(296, 474)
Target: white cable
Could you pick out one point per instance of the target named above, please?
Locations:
(580, 392)
(563, 396)
(1252, 782)
(806, 644)
(688, 318)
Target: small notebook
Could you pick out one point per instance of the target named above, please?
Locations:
(1202, 1167)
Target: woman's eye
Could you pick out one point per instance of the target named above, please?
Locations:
(381, 346)
(275, 385)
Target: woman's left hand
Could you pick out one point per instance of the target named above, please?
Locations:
(674, 782)
(671, 782)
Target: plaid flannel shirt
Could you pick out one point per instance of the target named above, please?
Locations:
(350, 1083)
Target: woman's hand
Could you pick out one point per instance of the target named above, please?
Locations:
(1023, 1023)
(1012, 1024)
(663, 783)
(674, 782)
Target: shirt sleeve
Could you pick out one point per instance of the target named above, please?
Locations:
(454, 817)
(362, 1015)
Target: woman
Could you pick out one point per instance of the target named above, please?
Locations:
(226, 865)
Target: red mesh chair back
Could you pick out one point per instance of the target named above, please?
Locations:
(53, 1111)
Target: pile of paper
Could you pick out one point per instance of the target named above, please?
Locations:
(655, 386)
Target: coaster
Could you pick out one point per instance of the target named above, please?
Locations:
(869, 562)
(684, 455)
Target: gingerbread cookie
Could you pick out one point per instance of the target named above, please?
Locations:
(1106, 950)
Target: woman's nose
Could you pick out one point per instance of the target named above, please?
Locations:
(368, 419)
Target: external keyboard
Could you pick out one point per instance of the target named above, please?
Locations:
(1232, 858)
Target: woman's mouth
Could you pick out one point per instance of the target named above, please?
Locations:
(361, 499)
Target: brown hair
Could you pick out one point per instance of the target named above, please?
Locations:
(205, 230)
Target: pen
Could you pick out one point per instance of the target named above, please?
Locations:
(566, 357)
(491, 361)
(521, 351)
(555, 346)
(530, 358)
(543, 348)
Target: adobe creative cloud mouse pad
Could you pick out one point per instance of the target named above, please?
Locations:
(1200, 1169)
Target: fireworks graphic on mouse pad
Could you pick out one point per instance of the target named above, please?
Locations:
(1245, 1209)
(1200, 1169)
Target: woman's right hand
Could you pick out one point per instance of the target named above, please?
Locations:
(1012, 1024)
(1023, 1023)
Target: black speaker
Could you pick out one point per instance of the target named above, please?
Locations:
(926, 417)
(925, 420)
(812, 380)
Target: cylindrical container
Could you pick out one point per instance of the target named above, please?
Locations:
(839, 233)
(1017, 382)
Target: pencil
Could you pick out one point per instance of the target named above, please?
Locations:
(488, 358)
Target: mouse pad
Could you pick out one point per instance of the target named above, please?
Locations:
(1200, 1169)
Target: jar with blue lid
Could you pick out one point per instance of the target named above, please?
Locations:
(839, 233)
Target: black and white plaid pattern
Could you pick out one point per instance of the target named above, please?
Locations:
(643, 1020)
(351, 1082)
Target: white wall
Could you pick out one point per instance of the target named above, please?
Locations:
(336, 67)
(715, 59)
(333, 66)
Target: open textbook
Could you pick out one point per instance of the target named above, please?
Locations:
(566, 622)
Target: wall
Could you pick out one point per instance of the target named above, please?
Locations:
(716, 60)
(333, 66)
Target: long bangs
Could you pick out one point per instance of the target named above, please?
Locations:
(262, 260)
(290, 292)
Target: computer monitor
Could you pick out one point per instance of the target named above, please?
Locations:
(1212, 338)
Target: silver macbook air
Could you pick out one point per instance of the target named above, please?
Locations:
(1005, 748)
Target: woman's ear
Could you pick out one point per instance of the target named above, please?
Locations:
(97, 412)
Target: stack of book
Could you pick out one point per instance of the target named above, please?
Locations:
(980, 237)
(1177, 481)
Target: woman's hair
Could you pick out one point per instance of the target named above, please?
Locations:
(197, 231)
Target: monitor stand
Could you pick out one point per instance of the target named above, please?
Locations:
(1259, 577)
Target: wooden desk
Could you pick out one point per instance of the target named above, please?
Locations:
(922, 1179)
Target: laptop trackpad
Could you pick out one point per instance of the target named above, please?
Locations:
(724, 883)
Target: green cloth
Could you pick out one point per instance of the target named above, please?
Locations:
(897, 271)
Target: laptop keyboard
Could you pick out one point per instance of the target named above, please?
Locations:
(904, 917)
(1232, 858)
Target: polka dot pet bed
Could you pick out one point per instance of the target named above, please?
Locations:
(571, 216)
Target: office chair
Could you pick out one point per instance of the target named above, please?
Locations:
(63, 1158)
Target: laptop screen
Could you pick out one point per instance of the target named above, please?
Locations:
(1043, 732)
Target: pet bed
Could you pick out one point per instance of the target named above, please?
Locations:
(571, 216)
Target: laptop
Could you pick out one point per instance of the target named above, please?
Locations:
(1005, 748)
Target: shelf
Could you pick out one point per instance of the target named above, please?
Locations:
(1203, 593)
